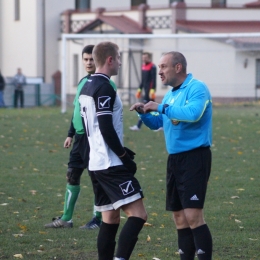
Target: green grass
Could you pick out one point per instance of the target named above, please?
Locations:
(33, 169)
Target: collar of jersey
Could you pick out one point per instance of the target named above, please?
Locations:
(101, 75)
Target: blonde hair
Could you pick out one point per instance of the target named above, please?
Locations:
(102, 51)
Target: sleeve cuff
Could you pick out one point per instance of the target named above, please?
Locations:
(160, 108)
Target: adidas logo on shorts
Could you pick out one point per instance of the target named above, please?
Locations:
(200, 252)
(181, 252)
(194, 197)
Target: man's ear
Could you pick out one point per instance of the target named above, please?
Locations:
(178, 67)
(109, 59)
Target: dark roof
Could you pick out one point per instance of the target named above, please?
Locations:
(255, 4)
(218, 26)
(120, 23)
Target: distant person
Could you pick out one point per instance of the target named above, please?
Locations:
(2, 87)
(186, 116)
(19, 82)
(147, 88)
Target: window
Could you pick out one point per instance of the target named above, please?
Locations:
(137, 2)
(82, 4)
(181, 1)
(75, 69)
(16, 10)
(258, 73)
(218, 3)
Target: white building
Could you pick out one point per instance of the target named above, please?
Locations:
(30, 38)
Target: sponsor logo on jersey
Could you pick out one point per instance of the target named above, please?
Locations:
(104, 102)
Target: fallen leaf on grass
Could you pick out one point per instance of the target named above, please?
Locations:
(162, 226)
(253, 239)
(148, 238)
(155, 258)
(18, 256)
(22, 227)
(41, 248)
(33, 192)
(50, 240)
(4, 204)
(16, 212)
(36, 170)
(234, 197)
(154, 214)
(140, 255)
(147, 224)
(43, 232)
(237, 221)
(240, 189)
(18, 235)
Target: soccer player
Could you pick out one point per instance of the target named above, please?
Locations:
(79, 155)
(148, 84)
(111, 165)
(186, 116)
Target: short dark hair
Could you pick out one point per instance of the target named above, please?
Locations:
(148, 54)
(178, 57)
(88, 49)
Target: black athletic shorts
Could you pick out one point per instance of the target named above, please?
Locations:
(187, 178)
(79, 154)
(114, 187)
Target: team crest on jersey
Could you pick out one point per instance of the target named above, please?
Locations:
(175, 122)
(104, 102)
(126, 187)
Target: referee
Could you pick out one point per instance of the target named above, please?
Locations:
(186, 117)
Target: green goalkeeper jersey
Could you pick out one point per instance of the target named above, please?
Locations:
(77, 120)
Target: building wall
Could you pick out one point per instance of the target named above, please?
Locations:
(222, 14)
(116, 4)
(230, 3)
(155, 3)
(24, 43)
(53, 9)
(19, 48)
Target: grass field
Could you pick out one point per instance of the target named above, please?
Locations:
(33, 168)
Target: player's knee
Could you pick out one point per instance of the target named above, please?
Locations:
(73, 176)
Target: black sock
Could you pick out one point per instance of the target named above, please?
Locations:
(106, 241)
(203, 242)
(186, 244)
(129, 236)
